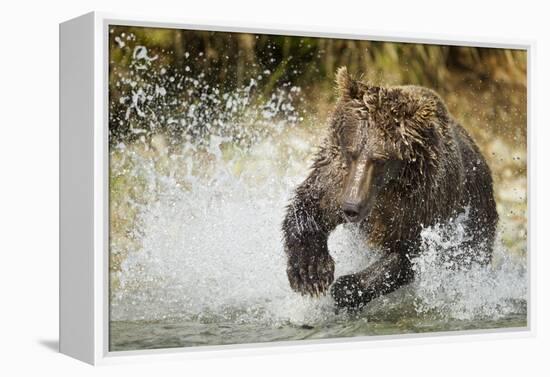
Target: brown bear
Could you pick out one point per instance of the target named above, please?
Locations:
(394, 161)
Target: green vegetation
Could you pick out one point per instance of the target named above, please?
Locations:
(228, 61)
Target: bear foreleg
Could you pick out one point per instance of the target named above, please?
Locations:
(382, 277)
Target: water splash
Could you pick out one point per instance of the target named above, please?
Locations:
(211, 245)
(444, 288)
(152, 97)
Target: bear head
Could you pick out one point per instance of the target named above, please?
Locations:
(385, 136)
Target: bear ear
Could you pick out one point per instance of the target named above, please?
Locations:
(347, 87)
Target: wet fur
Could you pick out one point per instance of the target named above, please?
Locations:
(442, 173)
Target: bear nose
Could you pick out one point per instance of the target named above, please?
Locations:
(351, 210)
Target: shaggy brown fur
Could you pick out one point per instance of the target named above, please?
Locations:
(394, 161)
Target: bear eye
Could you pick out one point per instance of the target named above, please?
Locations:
(348, 152)
(352, 152)
(378, 157)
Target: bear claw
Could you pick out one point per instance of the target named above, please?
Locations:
(311, 275)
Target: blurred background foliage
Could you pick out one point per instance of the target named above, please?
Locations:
(233, 58)
(229, 60)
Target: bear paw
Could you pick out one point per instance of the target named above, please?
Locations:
(348, 292)
(311, 274)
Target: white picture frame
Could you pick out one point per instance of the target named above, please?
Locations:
(84, 196)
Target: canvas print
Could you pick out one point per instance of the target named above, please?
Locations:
(268, 188)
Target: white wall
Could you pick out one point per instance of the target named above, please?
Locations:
(29, 183)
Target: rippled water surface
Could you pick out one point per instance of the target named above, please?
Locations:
(133, 335)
